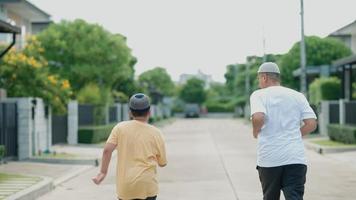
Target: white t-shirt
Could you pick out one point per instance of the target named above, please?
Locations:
(280, 140)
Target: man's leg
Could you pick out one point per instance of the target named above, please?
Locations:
(271, 180)
(293, 181)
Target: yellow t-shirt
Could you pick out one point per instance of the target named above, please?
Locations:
(140, 148)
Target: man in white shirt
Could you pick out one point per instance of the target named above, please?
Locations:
(280, 117)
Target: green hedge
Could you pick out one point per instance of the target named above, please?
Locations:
(2, 151)
(94, 134)
(324, 89)
(220, 106)
(342, 133)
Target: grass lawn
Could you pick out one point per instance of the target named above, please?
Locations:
(5, 177)
(57, 156)
(330, 143)
(13, 183)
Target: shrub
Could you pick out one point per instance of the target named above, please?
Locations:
(216, 106)
(89, 94)
(2, 151)
(324, 89)
(342, 133)
(94, 134)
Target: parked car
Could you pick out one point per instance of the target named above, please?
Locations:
(191, 110)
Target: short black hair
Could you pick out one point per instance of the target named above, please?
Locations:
(140, 113)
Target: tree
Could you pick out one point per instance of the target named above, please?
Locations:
(230, 77)
(236, 77)
(84, 53)
(25, 73)
(193, 91)
(319, 51)
(157, 80)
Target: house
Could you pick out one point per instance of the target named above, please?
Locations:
(347, 35)
(23, 14)
(6, 28)
(25, 125)
(200, 75)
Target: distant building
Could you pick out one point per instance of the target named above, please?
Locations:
(204, 77)
(23, 14)
(347, 35)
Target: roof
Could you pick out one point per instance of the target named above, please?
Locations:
(27, 10)
(8, 28)
(350, 60)
(349, 29)
(315, 70)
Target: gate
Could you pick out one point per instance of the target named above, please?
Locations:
(59, 129)
(8, 128)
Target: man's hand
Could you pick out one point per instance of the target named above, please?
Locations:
(258, 120)
(99, 178)
(105, 161)
(309, 126)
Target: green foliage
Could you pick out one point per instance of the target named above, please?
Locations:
(157, 80)
(25, 73)
(193, 91)
(2, 151)
(319, 51)
(324, 89)
(354, 90)
(230, 76)
(94, 134)
(342, 133)
(219, 99)
(236, 78)
(220, 106)
(89, 94)
(86, 53)
(120, 97)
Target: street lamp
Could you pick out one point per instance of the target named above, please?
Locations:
(303, 60)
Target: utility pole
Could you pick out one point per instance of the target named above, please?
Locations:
(303, 60)
(264, 44)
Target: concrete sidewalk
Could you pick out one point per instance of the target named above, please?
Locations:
(51, 174)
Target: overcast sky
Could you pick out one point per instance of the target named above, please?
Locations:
(187, 35)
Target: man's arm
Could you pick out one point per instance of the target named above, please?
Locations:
(309, 126)
(107, 152)
(258, 120)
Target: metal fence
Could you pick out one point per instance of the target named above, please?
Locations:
(85, 114)
(350, 114)
(113, 114)
(89, 114)
(59, 129)
(8, 128)
(334, 116)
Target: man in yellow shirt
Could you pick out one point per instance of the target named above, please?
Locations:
(140, 148)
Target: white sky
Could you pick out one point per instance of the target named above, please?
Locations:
(187, 35)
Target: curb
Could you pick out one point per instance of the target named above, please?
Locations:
(35, 191)
(45, 186)
(71, 175)
(324, 150)
(93, 161)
